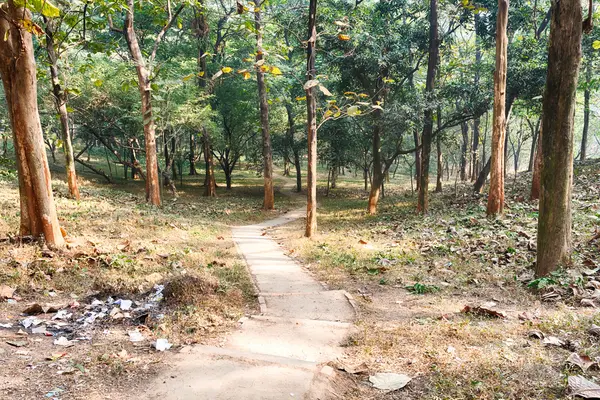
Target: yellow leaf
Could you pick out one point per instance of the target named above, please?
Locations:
(344, 37)
(353, 111)
(226, 70)
(246, 75)
(188, 77)
(349, 94)
(596, 44)
(247, 59)
(264, 68)
(201, 73)
(363, 95)
(327, 114)
(276, 71)
(303, 98)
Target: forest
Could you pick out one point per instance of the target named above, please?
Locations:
(317, 199)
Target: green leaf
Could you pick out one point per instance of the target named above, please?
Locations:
(43, 7)
(353, 111)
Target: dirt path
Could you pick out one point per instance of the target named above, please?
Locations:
(275, 355)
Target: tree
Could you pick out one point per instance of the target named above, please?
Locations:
(60, 101)
(495, 204)
(586, 110)
(423, 201)
(311, 112)
(145, 71)
(269, 195)
(18, 70)
(564, 58)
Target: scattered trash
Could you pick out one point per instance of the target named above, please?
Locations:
(62, 314)
(16, 343)
(7, 325)
(39, 329)
(54, 392)
(535, 334)
(63, 341)
(162, 345)
(588, 303)
(6, 292)
(389, 381)
(135, 336)
(124, 304)
(579, 386)
(581, 360)
(486, 309)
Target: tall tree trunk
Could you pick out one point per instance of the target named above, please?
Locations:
(60, 102)
(269, 198)
(18, 70)
(377, 171)
(495, 204)
(440, 166)
(477, 121)
(537, 169)
(311, 107)
(464, 151)
(210, 186)
(564, 57)
(534, 141)
(192, 157)
(152, 184)
(291, 133)
(418, 152)
(423, 202)
(586, 111)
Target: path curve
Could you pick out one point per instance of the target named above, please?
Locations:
(278, 354)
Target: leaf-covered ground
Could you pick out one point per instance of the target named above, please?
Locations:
(119, 248)
(413, 276)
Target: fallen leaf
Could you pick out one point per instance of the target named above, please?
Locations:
(582, 361)
(389, 381)
(355, 369)
(16, 343)
(487, 309)
(594, 330)
(6, 292)
(553, 341)
(361, 241)
(579, 386)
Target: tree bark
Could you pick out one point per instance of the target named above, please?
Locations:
(210, 186)
(18, 70)
(586, 111)
(417, 140)
(377, 171)
(537, 169)
(192, 157)
(311, 108)
(269, 197)
(423, 201)
(464, 151)
(60, 102)
(564, 57)
(495, 204)
(152, 184)
(477, 121)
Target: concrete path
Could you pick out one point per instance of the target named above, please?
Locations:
(278, 354)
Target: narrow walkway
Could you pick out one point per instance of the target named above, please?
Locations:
(278, 354)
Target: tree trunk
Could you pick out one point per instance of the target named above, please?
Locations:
(292, 144)
(193, 154)
(210, 186)
(464, 151)
(534, 142)
(228, 177)
(440, 166)
(269, 199)
(564, 57)
(60, 102)
(586, 111)
(152, 184)
(495, 204)
(377, 172)
(417, 140)
(423, 202)
(311, 106)
(18, 70)
(476, 122)
(537, 169)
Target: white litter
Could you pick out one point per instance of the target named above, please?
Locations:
(162, 344)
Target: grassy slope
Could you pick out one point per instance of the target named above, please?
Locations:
(457, 257)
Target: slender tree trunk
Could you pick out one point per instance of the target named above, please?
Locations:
(152, 184)
(476, 121)
(311, 105)
(292, 144)
(586, 111)
(228, 172)
(564, 57)
(464, 151)
(440, 166)
(210, 186)
(60, 102)
(377, 172)
(495, 204)
(418, 152)
(534, 142)
(18, 70)
(423, 201)
(192, 157)
(537, 169)
(269, 199)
